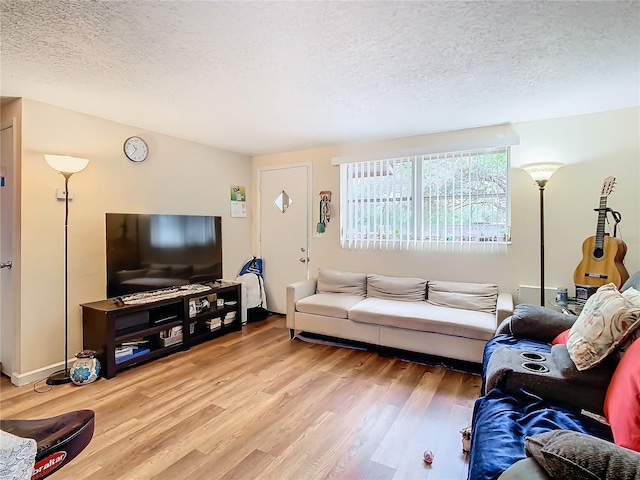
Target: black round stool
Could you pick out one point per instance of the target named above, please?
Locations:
(59, 439)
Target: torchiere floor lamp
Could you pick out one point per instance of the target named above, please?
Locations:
(541, 173)
(67, 166)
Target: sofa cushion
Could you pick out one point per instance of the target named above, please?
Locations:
(480, 297)
(328, 304)
(502, 420)
(561, 339)
(525, 469)
(597, 377)
(622, 403)
(566, 454)
(424, 317)
(606, 320)
(535, 322)
(396, 288)
(337, 281)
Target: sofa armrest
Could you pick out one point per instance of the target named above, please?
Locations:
(561, 381)
(297, 291)
(535, 322)
(504, 307)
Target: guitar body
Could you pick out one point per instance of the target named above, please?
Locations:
(601, 266)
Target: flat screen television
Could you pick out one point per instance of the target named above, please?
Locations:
(149, 252)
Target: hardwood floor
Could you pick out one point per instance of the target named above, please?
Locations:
(256, 405)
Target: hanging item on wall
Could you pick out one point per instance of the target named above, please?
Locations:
(325, 211)
(238, 201)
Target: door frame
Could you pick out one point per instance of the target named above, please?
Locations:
(14, 295)
(308, 166)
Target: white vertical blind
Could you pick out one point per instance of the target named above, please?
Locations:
(445, 201)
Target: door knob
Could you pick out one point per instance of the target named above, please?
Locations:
(6, 265)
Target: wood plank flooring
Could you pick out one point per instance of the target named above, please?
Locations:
(256, 405)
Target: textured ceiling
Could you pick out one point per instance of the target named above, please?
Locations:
(266, 77)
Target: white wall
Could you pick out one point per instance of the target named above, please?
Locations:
(179, 177)
(187, 178)
(592, 147)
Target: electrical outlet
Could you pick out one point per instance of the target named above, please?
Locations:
(60, 194)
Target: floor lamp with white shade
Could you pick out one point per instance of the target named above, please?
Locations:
(541, 173)
(67, 166)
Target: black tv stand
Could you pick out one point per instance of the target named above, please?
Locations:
(110, 323)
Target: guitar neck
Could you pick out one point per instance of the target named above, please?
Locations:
(602, 215)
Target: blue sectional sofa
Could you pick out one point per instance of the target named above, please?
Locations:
(522, 413)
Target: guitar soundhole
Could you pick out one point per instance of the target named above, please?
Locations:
(598, 252)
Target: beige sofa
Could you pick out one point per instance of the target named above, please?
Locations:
(448, 319)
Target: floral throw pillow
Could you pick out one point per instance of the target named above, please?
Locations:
(606, 320)
(633, 296)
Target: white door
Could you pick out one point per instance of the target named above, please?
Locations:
(284, 231)
(7, 327)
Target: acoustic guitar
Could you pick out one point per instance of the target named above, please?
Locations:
(602, 255)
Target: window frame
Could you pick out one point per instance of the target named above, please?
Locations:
(416, 237)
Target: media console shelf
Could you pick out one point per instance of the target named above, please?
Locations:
(108, 324)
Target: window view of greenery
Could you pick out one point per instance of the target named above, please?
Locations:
(463, 198)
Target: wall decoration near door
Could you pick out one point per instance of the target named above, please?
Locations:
(238, 201)
(325, 211)
(602, 254)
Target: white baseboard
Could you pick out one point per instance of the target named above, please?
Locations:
(35, 375)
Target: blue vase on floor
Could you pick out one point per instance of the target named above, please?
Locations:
(85, 369)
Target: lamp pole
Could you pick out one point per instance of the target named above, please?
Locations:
(66, 166)
(61, 377)
(541, 173)
(541, 184)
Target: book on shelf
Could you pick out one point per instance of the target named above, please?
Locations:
(136, 353)
(174, 340)
(214, 323)
(123, 351)
(172, 332)
(134, 343)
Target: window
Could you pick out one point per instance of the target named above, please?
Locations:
(455, 200)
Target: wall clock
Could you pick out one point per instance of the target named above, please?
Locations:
(136, 149)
